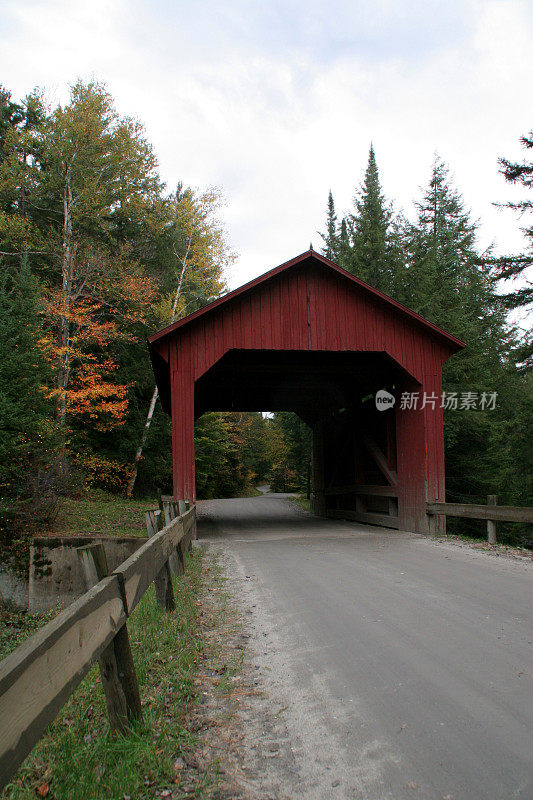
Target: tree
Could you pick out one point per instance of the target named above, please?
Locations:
(518, 267)
(199, 253)
(98, 180)
(220, 442)
(114, 257)
(368, 228)
(255, 456)
(27, 436)
(365, 241)
(21, 127)
(521, 173)
(294, 459)
(447, 280)
(331, 237)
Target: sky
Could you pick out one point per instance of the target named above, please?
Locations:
(277, 102)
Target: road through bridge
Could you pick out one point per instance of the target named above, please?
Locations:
(404, 663)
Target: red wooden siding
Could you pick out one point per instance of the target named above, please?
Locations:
(311, 305)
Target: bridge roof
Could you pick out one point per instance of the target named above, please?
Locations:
(310, 257)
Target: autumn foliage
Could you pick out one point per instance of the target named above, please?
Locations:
(109, 255)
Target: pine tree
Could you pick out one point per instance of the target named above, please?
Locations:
(344, 249)
(449, 283)
(364, 243)
(521, 174)
(27, 440)
(21, 371)
(368, 228)
(518, 267)
(331, 237)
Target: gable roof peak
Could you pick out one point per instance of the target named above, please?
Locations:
(311, 255)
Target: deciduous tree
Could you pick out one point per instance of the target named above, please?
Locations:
(198, 253)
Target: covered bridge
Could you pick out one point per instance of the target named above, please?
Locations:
(311, 338)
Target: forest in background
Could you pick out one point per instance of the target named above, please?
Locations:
(434, 265)
(96, 253)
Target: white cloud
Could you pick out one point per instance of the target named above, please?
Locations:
(276, 104)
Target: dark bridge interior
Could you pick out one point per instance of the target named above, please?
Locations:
(312, 384)
(354, 444)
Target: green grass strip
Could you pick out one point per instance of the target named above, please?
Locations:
(78, 759)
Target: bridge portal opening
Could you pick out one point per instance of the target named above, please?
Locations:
(354, 447)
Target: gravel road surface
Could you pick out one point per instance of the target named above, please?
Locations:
(402, 666)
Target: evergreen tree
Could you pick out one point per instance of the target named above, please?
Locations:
(331, 237)
(365, 241)
(344, 251)
(518, 267)
(11, 116)
(368, 228)
(26, 434)
(521, 173)
(21, 129)
(447, 280)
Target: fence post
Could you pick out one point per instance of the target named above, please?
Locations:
(117, 669)
(175, 559)
(163, 580)
(492, 500)
(167, 513)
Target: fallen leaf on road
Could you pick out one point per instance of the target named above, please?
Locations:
(412, 785)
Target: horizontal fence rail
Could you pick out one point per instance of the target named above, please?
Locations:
(475, 511)
(39, 676)
(491, 512)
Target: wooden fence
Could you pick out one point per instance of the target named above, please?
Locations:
(39, 676)
(491, 512)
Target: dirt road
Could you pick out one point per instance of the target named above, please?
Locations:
(401, 667)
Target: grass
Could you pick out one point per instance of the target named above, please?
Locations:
(78, 758)
(16, 626)
(482, 544)
(251, 491)
(102, 513)
(302, 501)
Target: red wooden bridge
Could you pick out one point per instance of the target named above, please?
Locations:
(311, 338)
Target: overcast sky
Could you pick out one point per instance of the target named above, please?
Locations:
(277, 102)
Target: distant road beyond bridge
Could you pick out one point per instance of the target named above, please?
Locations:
(413, 656)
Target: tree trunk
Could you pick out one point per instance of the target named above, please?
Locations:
(67, 270)
(138, 454)
(151, 409)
